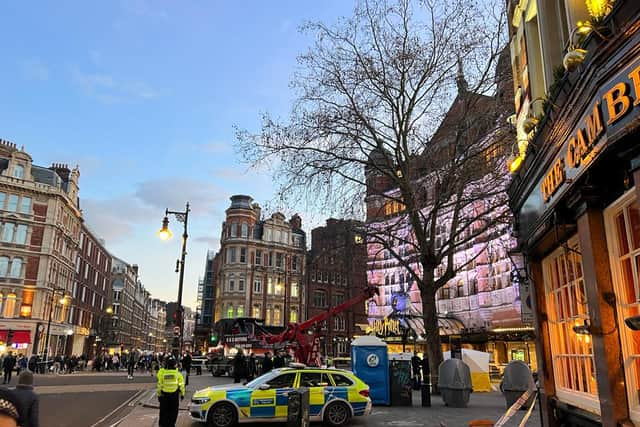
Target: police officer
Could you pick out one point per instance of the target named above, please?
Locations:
(170, 392)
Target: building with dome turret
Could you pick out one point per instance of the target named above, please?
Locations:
(261, 267)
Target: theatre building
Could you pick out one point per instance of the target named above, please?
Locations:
(576, 197)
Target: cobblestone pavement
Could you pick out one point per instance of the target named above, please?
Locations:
(488, 406)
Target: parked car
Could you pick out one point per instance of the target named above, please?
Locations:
(335, 396)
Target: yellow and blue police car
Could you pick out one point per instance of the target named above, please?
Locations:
(335, 396)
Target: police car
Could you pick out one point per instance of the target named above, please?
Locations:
(335, 396)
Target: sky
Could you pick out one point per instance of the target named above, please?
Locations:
(144, 96)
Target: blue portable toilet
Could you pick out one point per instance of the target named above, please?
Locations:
(370, 363)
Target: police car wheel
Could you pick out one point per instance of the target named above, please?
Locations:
(337, 414)
(221, 415)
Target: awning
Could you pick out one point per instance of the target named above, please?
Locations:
(19, 337)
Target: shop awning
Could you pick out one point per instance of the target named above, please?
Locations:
(19, 337)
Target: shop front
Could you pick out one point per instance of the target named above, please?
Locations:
(577, 205)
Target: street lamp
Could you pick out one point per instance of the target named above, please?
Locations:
(165, 234)
(63, 301)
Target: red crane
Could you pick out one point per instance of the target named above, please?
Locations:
(305, 344)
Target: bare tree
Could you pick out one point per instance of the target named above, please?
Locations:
(384, 115)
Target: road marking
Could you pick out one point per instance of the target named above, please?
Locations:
(125, 403)
(90, 388)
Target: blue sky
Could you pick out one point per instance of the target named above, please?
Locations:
(143, 95)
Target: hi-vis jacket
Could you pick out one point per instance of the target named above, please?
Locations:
(169, 380)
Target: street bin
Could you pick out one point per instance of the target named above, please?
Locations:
(455, 383)
(298, 408)
(400, 381)
(370, 363)
(516, 380)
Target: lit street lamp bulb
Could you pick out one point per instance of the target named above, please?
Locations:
(63, 300)
(109, 310)
(165, 234)
(69, 332)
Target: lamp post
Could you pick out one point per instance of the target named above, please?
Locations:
(165, 234)
(63, 301)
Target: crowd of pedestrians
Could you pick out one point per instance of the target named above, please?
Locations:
(248, 367)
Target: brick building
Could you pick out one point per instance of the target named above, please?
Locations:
(335, 272)
(261, 265)
(90, 296)
(41, 223)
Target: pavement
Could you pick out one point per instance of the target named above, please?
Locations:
(486, 406)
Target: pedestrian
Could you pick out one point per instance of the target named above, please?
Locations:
(278, 361)
(28, 400)
(132, 362)
(170, 391)
(238, 366)
(22, 364)
(426, 372)
(251, 367)
(186, 366)
(9, 408)
(8, 363)
(416, 363)
(267, 363)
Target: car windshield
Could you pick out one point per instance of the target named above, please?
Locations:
(261, 380)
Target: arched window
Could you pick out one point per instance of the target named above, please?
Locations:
(245, 230)
(240, 311)
(16, 268)
(4, 266)
(257, 311)
(229, 312)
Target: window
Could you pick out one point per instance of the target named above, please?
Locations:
(268, 315)
(245, 230)
(234, 230)
(21, 234)
(338, 299)
(341, 380)
(623, 238)
(13, 203)
(293, 315)
(3, 198)
(268, 235)
(276, 235)
(231, 255)
(258, 258)
(4, 266)
(241, 285)
(243, 255)
(7, 232)
(283, 381)
(10, 306)
(572, 353)
(285, 238)
(257, 286)
(229, 312)
(270, 259)
(16, 268)
(279, 287)
(339, 323)
(294, 263)
(240, 311)
(232, 285)
(294, 289)
(25, 206)
(18, 171)
(277, 316)
(320, 298)
(257, 311)
(270, 286)
(314, 379)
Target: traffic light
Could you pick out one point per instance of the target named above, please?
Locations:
(213, 339)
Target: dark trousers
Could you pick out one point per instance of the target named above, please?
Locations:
(7, 375)
(130, 369)
(169, 403)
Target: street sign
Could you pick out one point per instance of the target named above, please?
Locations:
(526, 309)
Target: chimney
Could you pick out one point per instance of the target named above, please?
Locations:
(62, 170)
(258, 210)
(134, 267)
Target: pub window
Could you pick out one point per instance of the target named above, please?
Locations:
(572, 353)
(623, 239)
(240, 311)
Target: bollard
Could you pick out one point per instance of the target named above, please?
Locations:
(425, 394)
(298, 408)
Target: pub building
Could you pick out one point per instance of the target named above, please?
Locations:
(576, 197)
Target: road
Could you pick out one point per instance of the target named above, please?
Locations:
(83, 399)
